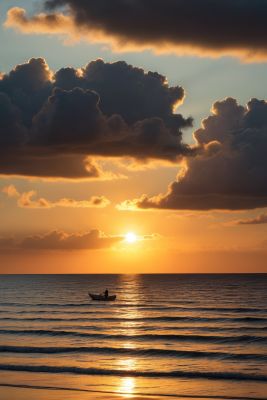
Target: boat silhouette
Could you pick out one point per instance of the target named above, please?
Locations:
(101, 297)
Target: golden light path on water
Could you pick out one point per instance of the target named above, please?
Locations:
(127, 385)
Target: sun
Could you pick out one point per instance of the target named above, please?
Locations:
(130, 237)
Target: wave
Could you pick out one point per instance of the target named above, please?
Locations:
(140, 306)
(47, 304)
(146, 319)
(228, 309)
(161, 319)
(172, 337)
(238, 330)
(134, 352)
(96, 305)
(217, 328)
(97, 371)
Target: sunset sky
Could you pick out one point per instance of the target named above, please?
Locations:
(143, 117)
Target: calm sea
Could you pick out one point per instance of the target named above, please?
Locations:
(194, 335)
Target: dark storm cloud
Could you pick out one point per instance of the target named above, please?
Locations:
(206, 28)
(31, 77)
(11, 134)
(28, 86)
(123, 89)
(126, 90)
(48, 165)
(71, 122)
(53, 123)
(55, 240)
(233, 177)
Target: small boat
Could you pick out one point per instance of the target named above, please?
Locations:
(101, 297)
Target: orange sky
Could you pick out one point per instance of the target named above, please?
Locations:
(189, 241)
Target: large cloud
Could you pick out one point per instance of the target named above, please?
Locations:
(123, 89)
(11, 133)
(28, 86)
(207, 27)
(51, 124)
(72, 122)
(55, 240)
(126, 90)
(234, 176)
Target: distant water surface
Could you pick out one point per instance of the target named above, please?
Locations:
(193, 335)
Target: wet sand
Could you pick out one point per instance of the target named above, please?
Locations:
(25, 393)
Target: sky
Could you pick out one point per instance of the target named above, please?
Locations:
(133, 117)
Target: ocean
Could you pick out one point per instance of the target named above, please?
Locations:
(168, 334)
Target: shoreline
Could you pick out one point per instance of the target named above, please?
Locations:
(28, 392)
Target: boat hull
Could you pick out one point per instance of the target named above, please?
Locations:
(101, 298)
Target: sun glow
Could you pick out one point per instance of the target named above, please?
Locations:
(130, 237)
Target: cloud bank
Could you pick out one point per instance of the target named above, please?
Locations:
(53, 125)
(180, 26)
(55, 240)
(230, 173)
(59, 240)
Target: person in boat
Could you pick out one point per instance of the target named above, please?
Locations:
(106, 293)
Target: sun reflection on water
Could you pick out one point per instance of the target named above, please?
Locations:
(126, 385)
(126, 364)
(133, 317)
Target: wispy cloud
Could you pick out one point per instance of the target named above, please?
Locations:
(25, 201)
(190, 216)
(260, 219)
(11, 191)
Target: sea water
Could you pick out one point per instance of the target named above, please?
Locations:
(169, 334)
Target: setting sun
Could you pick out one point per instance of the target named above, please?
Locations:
(130, 237)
